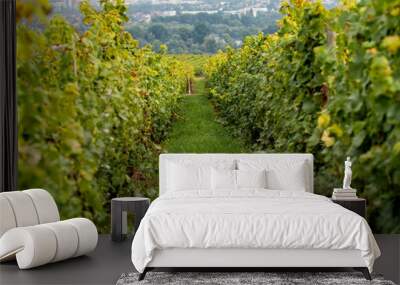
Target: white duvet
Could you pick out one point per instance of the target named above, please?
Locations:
(250, 219)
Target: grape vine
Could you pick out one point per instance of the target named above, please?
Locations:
(327, 82)
(93, 108)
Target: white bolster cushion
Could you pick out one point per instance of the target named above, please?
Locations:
(7, 218)
(40, 244)
(23, 208)
(87, 235)
(67, 240)
(45, 205)
(33, 246)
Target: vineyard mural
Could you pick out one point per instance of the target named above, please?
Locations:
(96, 106)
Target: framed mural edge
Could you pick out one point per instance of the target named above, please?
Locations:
(8, 97)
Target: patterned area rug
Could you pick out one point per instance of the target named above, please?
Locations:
(236, 278)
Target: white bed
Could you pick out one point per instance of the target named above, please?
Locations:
(248, 227)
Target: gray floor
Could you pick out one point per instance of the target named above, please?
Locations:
(103, 266)
(110, 260)
(389, 262)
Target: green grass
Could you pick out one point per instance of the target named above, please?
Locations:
(197, 131)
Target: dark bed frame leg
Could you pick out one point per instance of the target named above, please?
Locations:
(143, 274)
(364, 271)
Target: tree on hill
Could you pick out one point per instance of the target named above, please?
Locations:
(200, 32)
(159, 32)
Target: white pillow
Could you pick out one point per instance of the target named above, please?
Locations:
(223, 179)
(177, 178)
(188, 177)
(251, 178)
(281, 174)
(293, 179)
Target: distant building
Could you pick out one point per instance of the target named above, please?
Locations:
(255, 11)
(198, 12)
(167, 13)
(240, 12)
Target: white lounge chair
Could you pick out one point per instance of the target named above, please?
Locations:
(31, 230)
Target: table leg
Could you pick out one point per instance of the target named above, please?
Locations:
(116, 221)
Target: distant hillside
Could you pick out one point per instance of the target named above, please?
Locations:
(190, 26)
(202, 32)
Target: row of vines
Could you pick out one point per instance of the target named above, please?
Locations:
(328, 82)
(93, 107)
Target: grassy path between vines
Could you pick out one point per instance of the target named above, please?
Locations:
(197, 130)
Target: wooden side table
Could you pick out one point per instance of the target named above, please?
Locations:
(357, 205)
(119, 208)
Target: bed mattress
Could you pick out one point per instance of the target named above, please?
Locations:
(250, 219)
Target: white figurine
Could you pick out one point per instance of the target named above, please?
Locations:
(347, 174)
